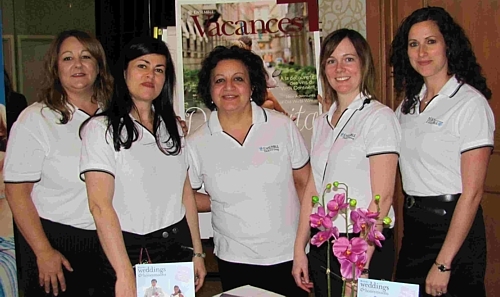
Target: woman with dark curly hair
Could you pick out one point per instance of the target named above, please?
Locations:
(448, 131)
(254, 164)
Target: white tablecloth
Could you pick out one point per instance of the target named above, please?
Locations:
(248, 291)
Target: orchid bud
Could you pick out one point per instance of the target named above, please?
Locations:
(315, 199)
(387, 221)
(353, 202)
(328, 186)
(377, 198)
(336, 184)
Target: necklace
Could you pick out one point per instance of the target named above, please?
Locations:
(424, 101)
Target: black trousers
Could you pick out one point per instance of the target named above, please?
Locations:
(80, 247)
(381, 265)
(423, 237)
(168, 245)
(275, 278)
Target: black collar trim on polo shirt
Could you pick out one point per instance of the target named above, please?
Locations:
(145, 128)
(240, 143)
(457, 89)
(265, 114)
(214, 126)
(86, 112)
(329, 122)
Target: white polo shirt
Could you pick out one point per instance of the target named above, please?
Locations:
(341, 153)
(255, 206)
(457, 120)
(43, 151)
(148, 183)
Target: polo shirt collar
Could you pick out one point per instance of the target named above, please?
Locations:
(449, 89)
(259, 115)
(355, 104)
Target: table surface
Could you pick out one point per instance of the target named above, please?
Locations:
(248, 291)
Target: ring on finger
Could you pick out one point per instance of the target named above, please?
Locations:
(439, 293)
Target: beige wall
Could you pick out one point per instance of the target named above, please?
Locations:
(336, 14)
(29, 26)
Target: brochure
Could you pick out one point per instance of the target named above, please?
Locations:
(377, 288)
(165, 279)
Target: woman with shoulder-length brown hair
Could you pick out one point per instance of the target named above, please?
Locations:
(58, 244)
(357, 143)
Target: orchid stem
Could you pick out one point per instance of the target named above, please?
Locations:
(327, 251)
(328, 270)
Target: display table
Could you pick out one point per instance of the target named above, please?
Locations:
(248, 291)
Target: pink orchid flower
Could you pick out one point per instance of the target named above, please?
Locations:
(350, 250)
(322, 236)
(346, 267)
(375, 236)
(337, 204)
(320, 218)
(362, 219)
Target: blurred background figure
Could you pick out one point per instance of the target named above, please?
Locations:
(15, 101)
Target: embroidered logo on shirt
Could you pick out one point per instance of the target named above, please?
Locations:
(350, 136)
(269, 148)
(434, 121)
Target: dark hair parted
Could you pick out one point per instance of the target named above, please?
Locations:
(252, 62)
(121, 104)
(52, 93)
(328, 46)
(461, 58)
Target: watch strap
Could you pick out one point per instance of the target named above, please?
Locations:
(442, 267)
(199, 255)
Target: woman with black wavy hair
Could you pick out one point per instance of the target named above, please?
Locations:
(135, 167)
(448, 129)
(254, 164)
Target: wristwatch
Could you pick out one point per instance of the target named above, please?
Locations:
(442, 267)
(200, 255)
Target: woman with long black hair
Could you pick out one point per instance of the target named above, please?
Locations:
(135, 167)
(447, 140)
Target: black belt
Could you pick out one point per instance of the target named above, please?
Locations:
(429, 203)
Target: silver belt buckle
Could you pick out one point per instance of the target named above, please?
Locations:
(409, 201)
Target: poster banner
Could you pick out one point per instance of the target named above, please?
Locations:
(8, 277)
(284, 33)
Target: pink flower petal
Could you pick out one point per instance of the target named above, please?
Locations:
(335, 232)
(352, 257)
(327, 222)
(358, 245)
(346, 268)
(319, 238)
(340, 246)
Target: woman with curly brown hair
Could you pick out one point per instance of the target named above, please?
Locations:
(447, 140)
(59, 247)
